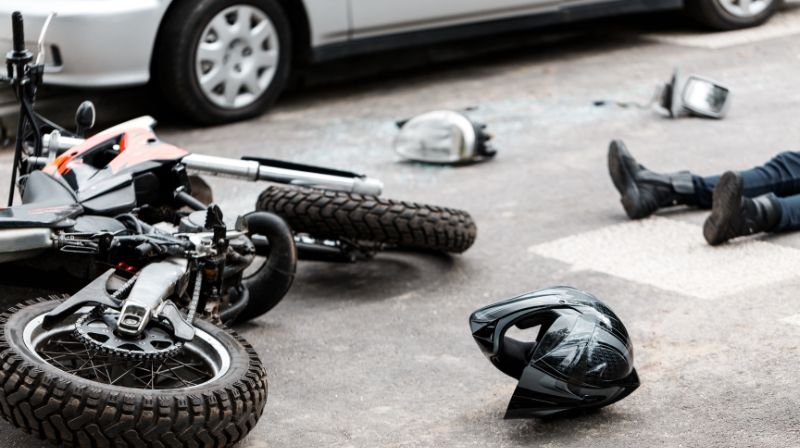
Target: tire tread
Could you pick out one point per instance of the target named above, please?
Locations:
(55, 409)
(334, 214)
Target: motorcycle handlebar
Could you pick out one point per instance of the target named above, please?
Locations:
(18, 32)
(254, 171)
(246, 169)
(62, 143)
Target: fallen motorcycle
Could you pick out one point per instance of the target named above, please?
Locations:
(140, 355)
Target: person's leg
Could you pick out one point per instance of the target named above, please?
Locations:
(733, 214)
(790, 214)
(704, 190)
(781, 176)
(644, 191)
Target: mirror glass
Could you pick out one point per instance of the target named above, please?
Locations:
(704, 97)
(85, 115)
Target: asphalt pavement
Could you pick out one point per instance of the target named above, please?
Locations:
(379, 353)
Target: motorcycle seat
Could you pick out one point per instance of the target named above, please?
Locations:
(46, 202)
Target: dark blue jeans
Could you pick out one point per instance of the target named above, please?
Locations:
(779, 177)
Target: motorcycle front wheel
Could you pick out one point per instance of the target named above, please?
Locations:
(339, 215)
(55, 387)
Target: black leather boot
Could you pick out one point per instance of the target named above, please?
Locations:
(733, 215)
(644, 191)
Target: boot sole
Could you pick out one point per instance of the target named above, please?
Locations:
(623, 179)
(726, 204)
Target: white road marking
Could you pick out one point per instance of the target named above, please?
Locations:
(672, 255)
(783, 24)
(793, 320)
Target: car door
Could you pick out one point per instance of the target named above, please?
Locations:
(380, 17)
(329, 20)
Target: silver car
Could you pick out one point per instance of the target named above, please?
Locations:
(223, 60)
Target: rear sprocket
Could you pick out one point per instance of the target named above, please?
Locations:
(97, 330)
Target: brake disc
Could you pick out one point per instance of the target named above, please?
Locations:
(96, 329)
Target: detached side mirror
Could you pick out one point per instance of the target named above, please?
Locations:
(84, 118)
(695, 95)
(705, 98)
(443, 137)
(670, 96)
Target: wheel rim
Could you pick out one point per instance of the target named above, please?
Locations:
(202, 360)
(237, 56)
(745, 8)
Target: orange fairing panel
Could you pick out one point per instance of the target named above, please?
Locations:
(140, 145)
(137, 141)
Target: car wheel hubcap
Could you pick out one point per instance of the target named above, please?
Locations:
(745, 8)
(237, 56)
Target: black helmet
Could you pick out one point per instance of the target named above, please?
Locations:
(582, 357)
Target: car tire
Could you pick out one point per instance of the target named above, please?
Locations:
(722, 15)
(258, 60)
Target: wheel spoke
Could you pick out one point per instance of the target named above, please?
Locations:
(108, 374)
(91, 362)
(154, 373)
(179, 378)
(232, 89)
(57, 355)
(81, 367)
(187, 366)
(58, 364)
(212, 79)
(268, 58)
(225, 31)
(260, 32)
(746, 8)
(140, 380)
(212, 52)
(251, 82)
(92, 367)
(124, 373)
(243, 19)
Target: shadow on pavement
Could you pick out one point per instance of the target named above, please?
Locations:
(528, 431)
(388, 275)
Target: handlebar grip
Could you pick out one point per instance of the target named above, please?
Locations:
(144, 250)
(18, 32)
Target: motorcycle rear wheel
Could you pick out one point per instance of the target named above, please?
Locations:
(75, 402)
(339, 215)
